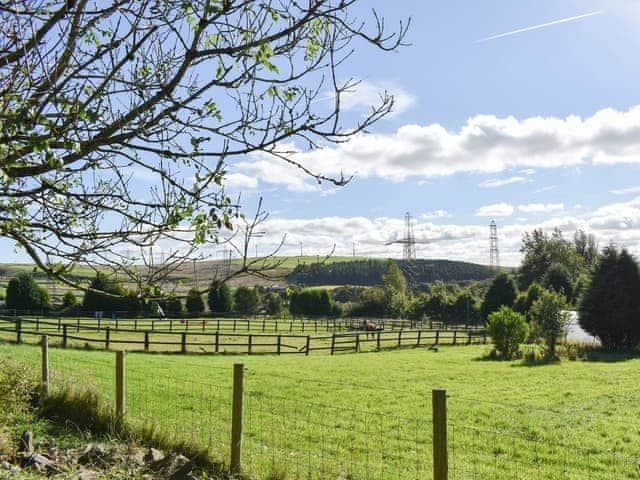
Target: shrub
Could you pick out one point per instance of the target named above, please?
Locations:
(194, 302)
(273, 303)
(23, 293)
(312, 301)
(172, 305)
(95, 301)
(247, 300)
(373, 303)
(69, 299)
(547, 312)
(220, 299)
(508, 329)
(610, 305)
(502, 292)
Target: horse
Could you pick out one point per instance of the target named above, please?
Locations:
(369, 327)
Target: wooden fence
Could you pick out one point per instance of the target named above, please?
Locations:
(81, 335)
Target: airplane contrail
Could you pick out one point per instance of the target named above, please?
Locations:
(541, 25)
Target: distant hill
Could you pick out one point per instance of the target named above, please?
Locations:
(370, 271)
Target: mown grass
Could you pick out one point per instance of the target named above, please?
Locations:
(368, 416)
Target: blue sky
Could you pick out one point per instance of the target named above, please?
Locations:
(569, 89)
(534, 129)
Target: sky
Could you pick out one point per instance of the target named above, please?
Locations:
(522, 112)
(526, 112)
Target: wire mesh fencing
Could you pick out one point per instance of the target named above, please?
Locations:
(291, 431)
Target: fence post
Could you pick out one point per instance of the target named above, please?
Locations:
(234, 324)
(18, 330)
(107, 337)
(45, 365)
(236, 417)
(333, 342)
(171, 324)
(77, 324)
(120, 385)
(37, 324)
(146, 341)
(279, 338)
(419, 335)
(249, 345)
(135, 323)
(455, 334)
(64, 336)
(468, 338)
(437, 337)
(399, 338)
(99, 323)
(59, 323)
(378, 340)
(217, 346)
(440, 460)
(306, 350)
(357, 342)
(183, 343)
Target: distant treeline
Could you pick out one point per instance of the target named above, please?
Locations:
(369, 272)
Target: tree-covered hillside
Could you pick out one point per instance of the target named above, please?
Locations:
(369, 272)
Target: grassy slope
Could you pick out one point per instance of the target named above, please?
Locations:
(352, 412)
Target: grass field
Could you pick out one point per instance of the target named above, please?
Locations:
(368, 416)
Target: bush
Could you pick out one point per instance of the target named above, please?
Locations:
(547, 313)
(194, 302)
(373, 304)
(95, 301)
(69, 299)
(220, 299)
(172, 305)
(610, 305)
(247, 300)
(23, 293)
(312, 301)
(502, 292)
(273, 304)
(508, 329)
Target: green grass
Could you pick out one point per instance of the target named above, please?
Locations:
(368, 415)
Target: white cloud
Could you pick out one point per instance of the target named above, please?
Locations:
(240, 181)
(499, 182)
(435, 214)
(625, 191)
(366, 94)
(495, 210)
(485, 144)
(541, 207)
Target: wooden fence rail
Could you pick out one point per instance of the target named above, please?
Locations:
(241, 343)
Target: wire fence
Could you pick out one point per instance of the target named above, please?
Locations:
(289, 434)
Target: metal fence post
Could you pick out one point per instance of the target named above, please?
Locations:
(45, 365)
(183, 343)
(120, 385)
(440, 458)
(236, 417)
